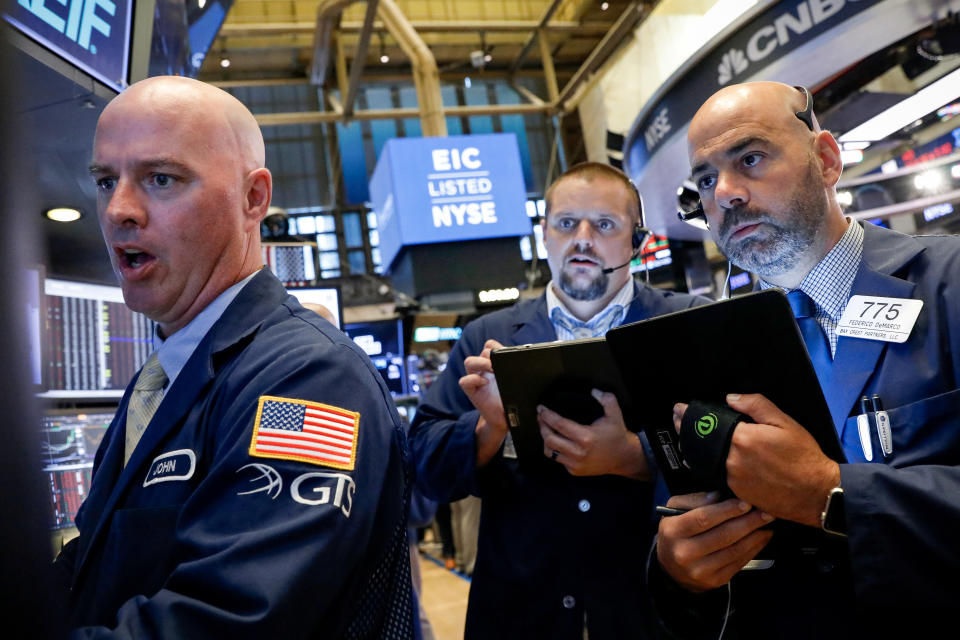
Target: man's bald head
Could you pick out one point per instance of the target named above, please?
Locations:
(181, 193)
(226, 119)
(766, 179)
(773, 105)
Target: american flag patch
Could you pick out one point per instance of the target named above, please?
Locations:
(307, 431)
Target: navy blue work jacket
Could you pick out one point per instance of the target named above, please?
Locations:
(554, 551)
(199, 538)
(895, 575)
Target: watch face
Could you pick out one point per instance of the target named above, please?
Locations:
(834, 515)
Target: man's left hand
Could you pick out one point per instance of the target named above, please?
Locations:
(775, 464)
(604, 447)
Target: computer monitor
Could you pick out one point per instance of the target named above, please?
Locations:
(329, 297)
(69, 441)
(655, 254)
(94, 343)
(294, 263)
(382, 340)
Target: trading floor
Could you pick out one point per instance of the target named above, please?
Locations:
(444, 598)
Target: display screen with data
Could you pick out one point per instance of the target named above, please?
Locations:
(93, 341)
(382, 340)
(68, 441)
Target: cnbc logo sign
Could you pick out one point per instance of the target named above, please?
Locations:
(777, 32)
(81, 19)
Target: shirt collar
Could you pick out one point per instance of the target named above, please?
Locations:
(174, 351)
(623, 298)
(829, 283)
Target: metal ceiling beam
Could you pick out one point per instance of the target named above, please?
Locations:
(359, 57)
(526, 93)
(426, 77)
(528, 45)
(375, 75)
(622, 28)
(550, 74)
(317, 117)
(258, 82)
(328, 13)
(421, 26)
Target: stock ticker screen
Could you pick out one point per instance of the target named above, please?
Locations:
(69, 439)
(93, 341)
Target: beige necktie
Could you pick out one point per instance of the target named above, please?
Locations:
(144, 400)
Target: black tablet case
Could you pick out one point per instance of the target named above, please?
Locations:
(749, 344)
(558, 375)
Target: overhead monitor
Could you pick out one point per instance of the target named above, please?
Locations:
(69, 442)
(329, 297)
(94, 343)
(93, 35)
(382, 340)
(431, 190)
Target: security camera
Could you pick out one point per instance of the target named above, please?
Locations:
(478, 59)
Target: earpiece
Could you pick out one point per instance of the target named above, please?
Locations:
(693, 214)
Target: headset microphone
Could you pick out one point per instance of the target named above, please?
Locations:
(640, 234)
(633, 257)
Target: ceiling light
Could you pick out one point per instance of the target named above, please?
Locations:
(225, 62)
(604, 6)
(384, 58)
(844, 198)
(63, 214)
(854, 146)
(890, 166)
(467, 83)
(201, 3)
(955, 171)
(931, 97)
(487, 57)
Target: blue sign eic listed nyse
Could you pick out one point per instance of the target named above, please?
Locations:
(427, 190)
(93, 35)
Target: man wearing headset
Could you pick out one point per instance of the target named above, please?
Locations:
(766, 174)
(556, 556)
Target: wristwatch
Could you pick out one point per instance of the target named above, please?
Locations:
(833, 518)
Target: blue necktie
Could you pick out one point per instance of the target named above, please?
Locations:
(805, 311)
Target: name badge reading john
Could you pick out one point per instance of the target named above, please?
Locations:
(876, 318)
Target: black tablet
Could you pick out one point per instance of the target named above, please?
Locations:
(748, 344)
(558, 375)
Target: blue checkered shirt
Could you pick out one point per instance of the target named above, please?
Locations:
(828, 284)
(568, 327)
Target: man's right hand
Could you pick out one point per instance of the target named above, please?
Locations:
(705, 547)
(480, 385)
